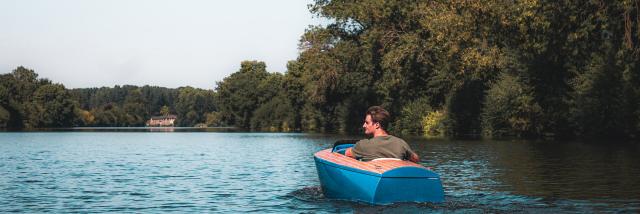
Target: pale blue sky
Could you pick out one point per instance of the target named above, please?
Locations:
(170, 43)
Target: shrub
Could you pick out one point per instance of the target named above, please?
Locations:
(510, 109)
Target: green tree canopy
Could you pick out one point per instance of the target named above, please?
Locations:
(52, 107)
(240, 93)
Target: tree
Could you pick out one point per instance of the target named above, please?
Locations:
(4, 117)
(510, 109)
(110, 115)
(135, 107)
(215, 119)
(192, 106)
(53, 107)
(410, 121)
(164, 111)
(239, 94)
(598, 102)
(4, 101)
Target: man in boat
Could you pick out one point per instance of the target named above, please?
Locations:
(382, 144)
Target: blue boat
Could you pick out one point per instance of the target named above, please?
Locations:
(381, 181)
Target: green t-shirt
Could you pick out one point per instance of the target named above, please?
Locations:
(382, 147)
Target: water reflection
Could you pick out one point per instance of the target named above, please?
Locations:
(162, 129)
(567, 170)
(545, 174)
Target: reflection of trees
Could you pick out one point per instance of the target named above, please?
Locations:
(541, 169)
(567, 170)
(161, 129)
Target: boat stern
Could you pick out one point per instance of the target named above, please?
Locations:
(409, 184)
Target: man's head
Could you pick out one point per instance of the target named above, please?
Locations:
(376, 119)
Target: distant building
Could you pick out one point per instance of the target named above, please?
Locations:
(162, 120)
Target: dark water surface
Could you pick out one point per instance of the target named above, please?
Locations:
(275, 173)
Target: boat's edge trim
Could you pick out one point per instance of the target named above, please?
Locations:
(346, 167)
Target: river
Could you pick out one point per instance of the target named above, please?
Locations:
(229, 172)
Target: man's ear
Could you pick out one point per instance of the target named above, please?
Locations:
(377, 124)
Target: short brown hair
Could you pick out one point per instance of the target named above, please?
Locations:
(379, 115)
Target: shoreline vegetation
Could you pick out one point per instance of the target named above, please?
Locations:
(455, 69)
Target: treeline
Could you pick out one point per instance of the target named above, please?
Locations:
(463, 69)
(132, 105)
(532, 69)
(27, 101)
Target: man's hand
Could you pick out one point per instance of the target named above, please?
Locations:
(414, 158)
(349, 153)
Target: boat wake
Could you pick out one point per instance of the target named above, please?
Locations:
(476, 203)
(310, 194)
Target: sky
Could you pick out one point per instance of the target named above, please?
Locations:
(168, 43)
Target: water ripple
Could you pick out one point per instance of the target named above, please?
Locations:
(239, 172)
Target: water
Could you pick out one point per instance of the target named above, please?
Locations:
(274, 173)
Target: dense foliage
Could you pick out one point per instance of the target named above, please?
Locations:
(532, 69)
(463, 68)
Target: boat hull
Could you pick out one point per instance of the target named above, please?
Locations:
(376, 183)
